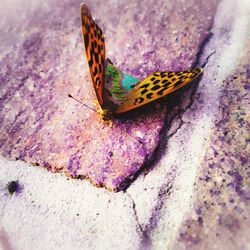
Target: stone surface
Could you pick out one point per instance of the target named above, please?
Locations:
(45, 62)
(222, 190)
(222, 187)
(194, 193)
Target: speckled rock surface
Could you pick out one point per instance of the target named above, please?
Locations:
(222, 188)
(194, 193)
(45, 62)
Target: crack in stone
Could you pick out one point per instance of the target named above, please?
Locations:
(181, 112)
(135, 211)
(145, 240)
(164, 193)
(177, 129)
(165, 189)
(170, 117)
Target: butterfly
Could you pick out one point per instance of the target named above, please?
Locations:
(118, 92)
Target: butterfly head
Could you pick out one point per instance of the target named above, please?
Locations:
(106, 114)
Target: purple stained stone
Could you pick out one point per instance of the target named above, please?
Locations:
(46, 61)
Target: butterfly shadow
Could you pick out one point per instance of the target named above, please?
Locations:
(176, 105)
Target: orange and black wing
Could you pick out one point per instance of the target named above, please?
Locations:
(95, 51)
(155, 86)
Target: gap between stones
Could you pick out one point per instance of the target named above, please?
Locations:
(166, 188)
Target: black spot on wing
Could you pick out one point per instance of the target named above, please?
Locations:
(87, 27)
(90, 62)
(166, 85)
(86, 40)
(156, 87)
(178, 83)
(96, 57)
(144, 86)
(170, 74)
(95, 71)
(165, 81)
(144, 91)
(140, 100)
(102, 61)
(161, 92)
(91, 53)
(99, 48)
(182, 77)
(149, 95)
(136, 100)
(156, 82)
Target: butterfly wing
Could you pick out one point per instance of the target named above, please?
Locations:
(123, 90)
(155, 86)
(118, 84)
(95, 51)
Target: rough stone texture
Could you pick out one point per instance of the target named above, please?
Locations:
(222, 186)
(194, 193)
(222, 192)
(41, 125)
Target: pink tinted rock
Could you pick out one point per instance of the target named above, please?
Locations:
(46, 61)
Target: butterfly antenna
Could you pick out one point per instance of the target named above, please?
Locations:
(69, 95)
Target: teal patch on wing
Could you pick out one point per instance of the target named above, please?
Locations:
(128, 81)
(118, 83)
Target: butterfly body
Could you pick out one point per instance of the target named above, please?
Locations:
(117, 91)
